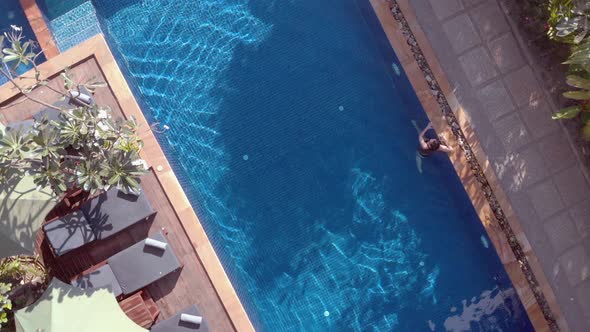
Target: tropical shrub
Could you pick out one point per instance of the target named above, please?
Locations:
(569, 22)
(5, 303)
(85, 149)
(22, 280)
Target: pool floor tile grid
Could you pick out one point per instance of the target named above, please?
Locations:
(250, 155)
(536, 165)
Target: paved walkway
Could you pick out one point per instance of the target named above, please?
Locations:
(510, 111)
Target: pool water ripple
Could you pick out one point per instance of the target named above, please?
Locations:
(290, 131)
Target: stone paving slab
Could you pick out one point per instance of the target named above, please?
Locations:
(495, 99)
(545, 199)
(494, 79)
(461, 33)
(506, 53)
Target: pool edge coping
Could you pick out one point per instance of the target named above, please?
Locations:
(40, 29)
(96, 47)
(405, 46)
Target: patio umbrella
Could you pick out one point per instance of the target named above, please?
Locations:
(65, 308)
(22, 211)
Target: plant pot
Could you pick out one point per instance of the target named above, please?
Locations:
(75, 197)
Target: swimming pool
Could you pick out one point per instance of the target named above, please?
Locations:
(291, 131)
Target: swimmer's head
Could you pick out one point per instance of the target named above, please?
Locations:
(433, 144)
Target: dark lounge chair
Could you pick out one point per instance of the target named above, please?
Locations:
(49, 113)
(133, 268)
(27, 126)
(24, 126)
(180, 323)
(98, 218)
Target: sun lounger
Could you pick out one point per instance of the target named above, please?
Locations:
(100, 277)
(114, 211)
(69, 232)
(133, 268)
(140, 264)
(98, 218)
(49, 113)
(180, 323)
(25, 126)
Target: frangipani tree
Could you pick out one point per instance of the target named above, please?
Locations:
(85, 148)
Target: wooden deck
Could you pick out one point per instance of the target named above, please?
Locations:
(193, 284)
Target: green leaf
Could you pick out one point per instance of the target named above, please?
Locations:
(114, 179)
(577, 95)
(16, 46)
(9, 58)
(9, 51)
(578, 82)
(585, 117)
(567, 113)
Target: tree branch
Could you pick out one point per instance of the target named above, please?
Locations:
(26, 94)
(69, 156)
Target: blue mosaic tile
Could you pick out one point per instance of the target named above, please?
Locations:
(75, 26)
(294, 140)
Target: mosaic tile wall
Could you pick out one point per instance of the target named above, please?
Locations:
(75, 26)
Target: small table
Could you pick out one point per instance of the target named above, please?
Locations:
(137, 310)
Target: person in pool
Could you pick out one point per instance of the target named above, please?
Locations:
(431, 145)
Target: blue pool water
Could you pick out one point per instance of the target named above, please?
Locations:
(11, 13)
(53, 9)
(291, 132)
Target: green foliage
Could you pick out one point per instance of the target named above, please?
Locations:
(85, 149)
(101, 153)
(10, 269)
(581, 96)
(19, 52)
(5, 303)
(580, 55)
(568, 20)
(567, 113)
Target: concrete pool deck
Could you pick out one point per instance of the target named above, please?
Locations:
(202, 280)
(531, 292)
(490, 83)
